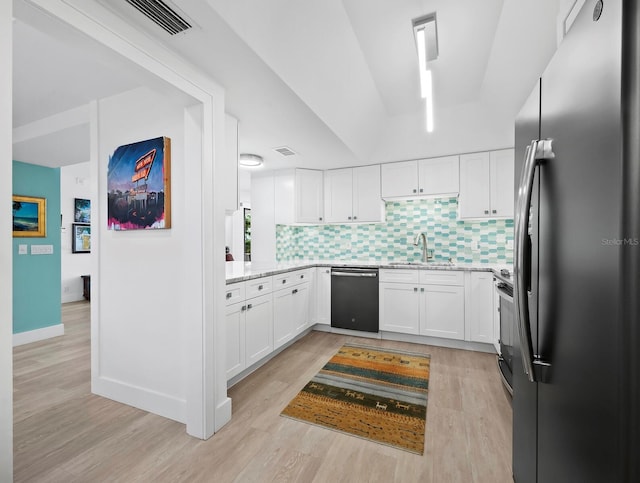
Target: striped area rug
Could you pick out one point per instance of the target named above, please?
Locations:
(376, 394)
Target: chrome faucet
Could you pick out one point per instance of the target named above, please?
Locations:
(425, 251)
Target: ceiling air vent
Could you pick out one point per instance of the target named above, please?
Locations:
(285, 151)
(161, 14)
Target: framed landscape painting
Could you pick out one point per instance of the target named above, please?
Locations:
(80, 238)
(29, 216)
(82, 210)
(139, 186)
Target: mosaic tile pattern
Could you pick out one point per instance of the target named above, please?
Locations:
(393, 239)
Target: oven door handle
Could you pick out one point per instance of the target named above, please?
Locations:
(505, 295)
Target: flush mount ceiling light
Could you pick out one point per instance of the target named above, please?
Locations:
(426, 36)
(250, 160)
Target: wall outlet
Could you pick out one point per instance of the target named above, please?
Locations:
(66, 289)
(475, 246)
(22, 249)
(509, 244)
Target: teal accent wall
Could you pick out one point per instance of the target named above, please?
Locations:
(393, 239)
(37, 278)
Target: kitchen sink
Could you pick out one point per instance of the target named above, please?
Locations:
(425, 264)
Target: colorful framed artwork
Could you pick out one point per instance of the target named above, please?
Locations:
(139, 186)
(80, 238)
(29, 216)
(82, 211)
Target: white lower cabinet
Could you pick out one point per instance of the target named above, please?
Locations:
(282, 319)
(480, 316)
(235, 331)
(248, 324)
(399, 307)
(442, 311)
(258, 329)
(290, 313)
(323, 296)
(300, 305)
(290, 305)
(435, 310)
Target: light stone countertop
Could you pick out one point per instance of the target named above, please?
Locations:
(242, 271)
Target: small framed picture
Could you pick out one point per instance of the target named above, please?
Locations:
(81, 238)
(29, 216)
(82, 211)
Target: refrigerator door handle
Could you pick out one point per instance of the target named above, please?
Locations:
(536, 151)
(521, 223)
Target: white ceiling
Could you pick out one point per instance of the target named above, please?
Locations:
(335, 80)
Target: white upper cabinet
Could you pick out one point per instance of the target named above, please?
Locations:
(338, 195)
(486, 184)
(425, 177)
(475, 200)
(439, 176)
(298, 196)
(353, 195)
(502, 183)
(400, 179)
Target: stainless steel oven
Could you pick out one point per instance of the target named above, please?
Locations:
(507, 332)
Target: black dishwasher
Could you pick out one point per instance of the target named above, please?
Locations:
(354, 298)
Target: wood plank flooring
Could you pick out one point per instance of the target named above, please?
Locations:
(63, 433)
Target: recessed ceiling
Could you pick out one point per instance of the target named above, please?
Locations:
(335, 81)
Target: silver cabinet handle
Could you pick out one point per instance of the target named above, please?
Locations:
(415, 289)
(422, 289)
(414, 190)
(486, 212)
(355, 217)
(294, 291)
(537, 150)
(421, 190)
(260, 287)
(249, 307)
(302, 276)
(327, 271)
(243, 308)
(284, 280)
(494, 211)
(229, 295)
(348, 217)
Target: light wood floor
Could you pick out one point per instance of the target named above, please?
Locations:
(65, 434)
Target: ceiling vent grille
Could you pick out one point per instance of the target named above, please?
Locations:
(285, 151)
(161, 14)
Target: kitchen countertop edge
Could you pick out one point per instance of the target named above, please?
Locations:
(242, 271)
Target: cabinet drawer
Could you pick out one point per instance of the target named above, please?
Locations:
(442, 277)
(399, 276)
(291, 278)
(234, 293)
(259, 286)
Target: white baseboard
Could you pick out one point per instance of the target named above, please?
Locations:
(71, 297)
(154, 402)
(35, 335)
(223, 414)
(415, 339)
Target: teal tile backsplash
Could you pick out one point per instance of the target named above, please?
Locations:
(393, 239)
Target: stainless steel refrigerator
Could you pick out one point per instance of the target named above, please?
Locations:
(576, 403)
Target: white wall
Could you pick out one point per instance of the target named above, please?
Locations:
(263, 223)
(74, 183)
(459, 129)
(148, 280)
(6, 248)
